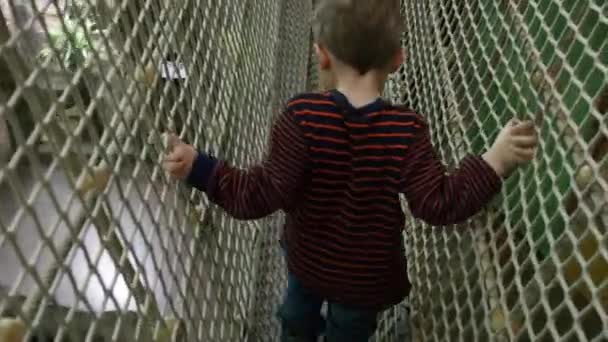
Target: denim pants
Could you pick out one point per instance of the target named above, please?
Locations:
(301, 320)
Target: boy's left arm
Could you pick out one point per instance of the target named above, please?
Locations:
(264, 188)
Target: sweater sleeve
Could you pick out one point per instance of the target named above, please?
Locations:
(439, 198)
(264, 188)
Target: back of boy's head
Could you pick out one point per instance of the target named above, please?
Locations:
(363, 34)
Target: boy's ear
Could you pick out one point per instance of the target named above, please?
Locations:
(398, 60)
(322, 57)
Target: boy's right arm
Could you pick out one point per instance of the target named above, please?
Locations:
(439, 198)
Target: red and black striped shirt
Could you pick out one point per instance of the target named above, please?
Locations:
(337, 172)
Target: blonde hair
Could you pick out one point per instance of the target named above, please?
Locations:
(364, 34)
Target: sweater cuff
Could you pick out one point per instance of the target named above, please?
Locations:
(489, 175)
(203, 172)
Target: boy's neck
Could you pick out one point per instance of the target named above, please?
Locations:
(360, 90)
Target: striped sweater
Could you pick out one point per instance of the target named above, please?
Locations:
(337, 172)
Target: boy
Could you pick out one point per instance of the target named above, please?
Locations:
(336, 165)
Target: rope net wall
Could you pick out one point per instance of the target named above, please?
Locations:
(97, 244)
(534, 267)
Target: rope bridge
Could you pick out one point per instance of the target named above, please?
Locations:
(96, 243)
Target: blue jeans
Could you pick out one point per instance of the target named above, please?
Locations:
(301, 320)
